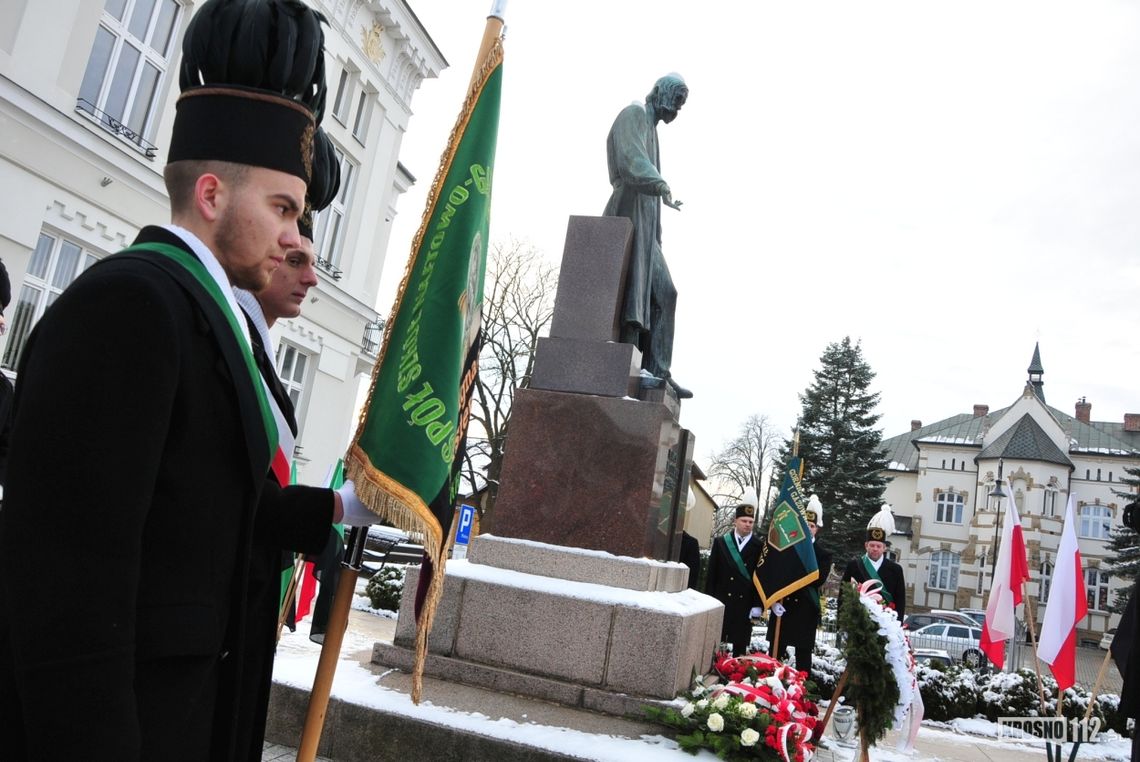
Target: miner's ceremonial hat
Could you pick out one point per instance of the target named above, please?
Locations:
(325, 183)
(882, 525)
(253, 85)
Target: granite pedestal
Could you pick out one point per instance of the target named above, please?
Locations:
(573, 626)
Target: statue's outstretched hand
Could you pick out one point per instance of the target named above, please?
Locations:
(667, 199)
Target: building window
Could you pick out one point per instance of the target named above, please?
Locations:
(1096, 588)
(343, 97)
(127, 66)
(55, 263)
(1094, 521)
(948, 507)
(943, 570)
(1046, 580)
(291, 366)
(330, 225)
(363, 116)
(1050, 507)
(981, 573)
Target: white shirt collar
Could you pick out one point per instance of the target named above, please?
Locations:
(213, 267)
(878, 563)
(256, 314)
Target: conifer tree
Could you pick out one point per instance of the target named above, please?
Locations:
(1124, 548)
(841, 448)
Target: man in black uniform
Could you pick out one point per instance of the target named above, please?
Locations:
(875, 565)
(731, 564)
(799, 611)
(282, 298)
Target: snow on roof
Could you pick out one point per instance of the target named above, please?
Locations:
(947, 440)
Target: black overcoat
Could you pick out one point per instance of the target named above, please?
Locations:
(801, 616)
(136, 472)
(890, 573)
(738, 594)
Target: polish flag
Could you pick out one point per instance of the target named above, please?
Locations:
(1010, 573)
(1068, 605)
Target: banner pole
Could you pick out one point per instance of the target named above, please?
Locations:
(330, 648)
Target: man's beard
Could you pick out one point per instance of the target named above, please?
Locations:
(228, 239)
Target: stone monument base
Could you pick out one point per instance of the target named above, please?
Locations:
(567, 625)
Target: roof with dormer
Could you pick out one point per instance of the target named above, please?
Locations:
(1025, 440)
(967, 430)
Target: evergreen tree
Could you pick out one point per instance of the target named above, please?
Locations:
(1124, 547)
(841, 448)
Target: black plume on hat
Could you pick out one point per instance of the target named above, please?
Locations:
(274, 45)
(5, 289)
(325, 183)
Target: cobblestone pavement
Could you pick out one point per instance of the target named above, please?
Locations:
(276, 753)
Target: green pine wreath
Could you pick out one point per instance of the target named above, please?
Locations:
(871, 686)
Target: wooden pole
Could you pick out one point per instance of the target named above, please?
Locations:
(1032, 622)
(864, 741)
(776, 641)
(492, 32)
(330, 649)
(1096, 685)
(834, 700)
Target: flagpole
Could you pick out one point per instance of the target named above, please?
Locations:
(1033, 642)
(330, 648)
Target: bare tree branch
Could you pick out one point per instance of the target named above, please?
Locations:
(742, 463)
(518, 305)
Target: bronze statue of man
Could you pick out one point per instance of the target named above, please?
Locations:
(634, 159)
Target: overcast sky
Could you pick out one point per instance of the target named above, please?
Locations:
(947, 183)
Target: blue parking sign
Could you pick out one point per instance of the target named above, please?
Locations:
(466, 520)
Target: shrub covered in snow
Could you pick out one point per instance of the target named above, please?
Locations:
(948, 693)
(386, 587)
(1014, 694)
(827, 665)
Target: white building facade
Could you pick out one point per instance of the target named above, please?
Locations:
(941, 477)
(87, 93)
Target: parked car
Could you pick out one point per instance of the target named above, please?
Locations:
(978, 615)
(958, 616)
(1106, 639)
(916, 621)
(960, 642)
(932, 657)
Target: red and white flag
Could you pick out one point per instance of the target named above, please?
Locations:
(1068, 605)
(1011, 572)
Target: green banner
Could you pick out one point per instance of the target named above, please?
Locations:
(787, 563)
(404, 459)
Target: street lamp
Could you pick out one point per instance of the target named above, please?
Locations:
(997, 493)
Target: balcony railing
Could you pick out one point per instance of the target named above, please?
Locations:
(333, 271)
(113, 125)
(373, 334)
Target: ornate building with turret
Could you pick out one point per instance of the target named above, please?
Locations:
(942, 486)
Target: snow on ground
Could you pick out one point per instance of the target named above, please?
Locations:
(296, 665)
